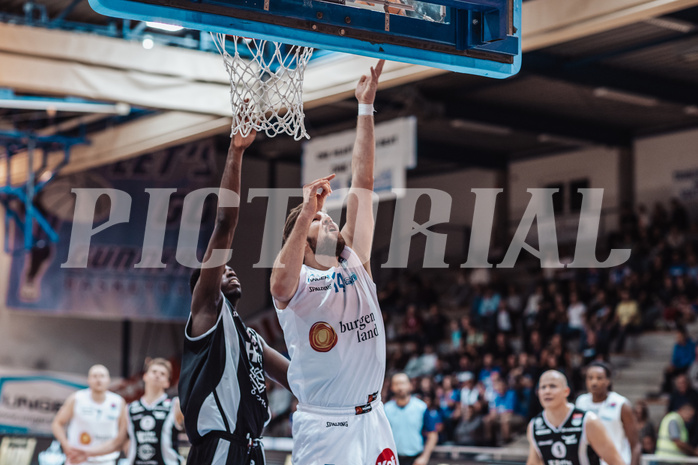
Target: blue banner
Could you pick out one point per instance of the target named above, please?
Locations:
(117, 279)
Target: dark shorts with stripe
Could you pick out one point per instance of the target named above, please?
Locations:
(216, 449)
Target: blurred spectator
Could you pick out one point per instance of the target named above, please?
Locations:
(469, 394)
(448, 398)
(682, 393)
(683, 355)
(679, 215)
(628, 317)
(424, 364)
(672, 439)
(643, 217)
(530, 313)
(488, 309)
(411, 329)
(434, 325)
(504, 323)
(501, 418)
(576, 316)
(469, 430)
(692, 372)
(646, 431)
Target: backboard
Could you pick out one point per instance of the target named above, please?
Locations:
(481, 37)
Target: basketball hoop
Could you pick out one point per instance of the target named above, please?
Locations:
(266, 90)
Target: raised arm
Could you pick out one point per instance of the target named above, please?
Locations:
(206, 298)
(601, 443)
(287, 266)
(358, 229)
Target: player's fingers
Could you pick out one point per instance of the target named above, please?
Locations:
(326, 187)
(379, 68)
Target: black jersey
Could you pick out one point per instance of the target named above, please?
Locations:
(153, 433)
(222, 387)
(566, 445)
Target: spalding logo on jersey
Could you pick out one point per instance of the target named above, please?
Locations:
(322, 337)
(387, 457)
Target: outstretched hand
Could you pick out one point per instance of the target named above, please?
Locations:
(366, 88)
(313, 201)
(241, 142)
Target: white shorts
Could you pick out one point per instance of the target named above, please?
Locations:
(338, 436)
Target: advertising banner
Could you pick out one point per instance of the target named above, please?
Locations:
(29, 399)
(130, 267)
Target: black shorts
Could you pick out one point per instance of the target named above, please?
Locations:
(216, 450)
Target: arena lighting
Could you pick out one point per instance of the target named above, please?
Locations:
(148, 42)
(163, 26)
(625, 97)
(671, 24)
(553, 139)
(484, 128)
(58, 105)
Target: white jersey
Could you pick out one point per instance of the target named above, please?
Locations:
(609, 411)
(335, 336)
(94, 424)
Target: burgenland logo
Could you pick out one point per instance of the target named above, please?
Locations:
(322, 337)
(387, 457)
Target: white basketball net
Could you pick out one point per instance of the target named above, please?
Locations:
(266, 92)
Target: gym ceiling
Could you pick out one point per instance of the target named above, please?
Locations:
(595, 72)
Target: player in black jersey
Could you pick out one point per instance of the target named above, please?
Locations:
(564, 435)
(222, 386)
(153, 423)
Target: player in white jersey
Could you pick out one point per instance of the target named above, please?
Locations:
(614, 410)
(328, 308)
(154, 421)
(93, 417)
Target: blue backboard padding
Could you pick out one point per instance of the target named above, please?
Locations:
(423, 36)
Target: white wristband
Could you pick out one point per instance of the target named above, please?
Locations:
(366, 109)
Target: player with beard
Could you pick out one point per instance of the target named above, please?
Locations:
(327, 305)
(222, 386)
(564, 435)
(614, 410)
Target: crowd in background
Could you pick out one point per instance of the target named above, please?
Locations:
(475, 342)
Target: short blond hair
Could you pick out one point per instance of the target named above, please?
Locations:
(159, 361)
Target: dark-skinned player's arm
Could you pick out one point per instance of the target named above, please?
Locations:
(601, 442)
(627, 417)
(358, 229)
(207, 299)
(275, 365)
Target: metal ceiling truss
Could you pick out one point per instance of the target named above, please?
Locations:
(14, 142)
